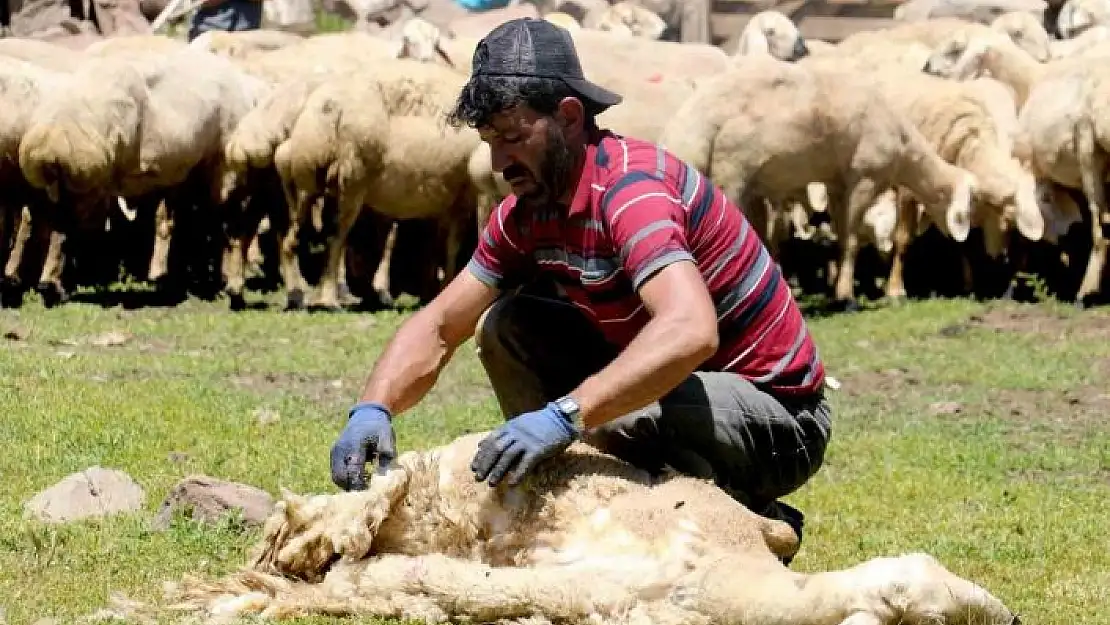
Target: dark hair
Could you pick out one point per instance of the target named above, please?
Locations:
(485, 96)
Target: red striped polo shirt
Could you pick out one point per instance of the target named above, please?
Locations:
(638, 208)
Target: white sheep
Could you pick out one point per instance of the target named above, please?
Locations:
(248, 154)
(1061, 135)
(23, 87)
(767, 129)
(377, 139)
(137, 125)
(585, 539)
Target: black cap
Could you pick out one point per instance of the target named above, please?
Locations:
(536, 48)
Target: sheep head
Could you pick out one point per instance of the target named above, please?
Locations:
(959, 56)
(1027, 33)
(772, 33)
(421, 40)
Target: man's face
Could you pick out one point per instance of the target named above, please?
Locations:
(531, 151)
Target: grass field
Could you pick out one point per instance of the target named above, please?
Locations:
(976, 432)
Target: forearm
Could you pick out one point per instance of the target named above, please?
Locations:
(662, 355)
(410, 364)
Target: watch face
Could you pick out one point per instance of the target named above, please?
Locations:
(568, 406)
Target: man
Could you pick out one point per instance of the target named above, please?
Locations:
(666, 337)
(227, 15)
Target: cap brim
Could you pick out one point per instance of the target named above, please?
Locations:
(594, 93)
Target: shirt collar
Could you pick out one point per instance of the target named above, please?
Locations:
(580, 202)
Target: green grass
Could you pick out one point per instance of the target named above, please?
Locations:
(974, 432)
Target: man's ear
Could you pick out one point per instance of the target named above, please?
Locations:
(571, 115)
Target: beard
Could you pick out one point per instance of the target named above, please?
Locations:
(554, 175)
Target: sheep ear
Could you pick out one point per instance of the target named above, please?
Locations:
(1029, 219)
(958, 215)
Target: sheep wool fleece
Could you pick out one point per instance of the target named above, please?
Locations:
(754, 419)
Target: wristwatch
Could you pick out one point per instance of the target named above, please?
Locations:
(569, 408)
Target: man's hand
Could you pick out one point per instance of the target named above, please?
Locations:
(522, 442)
(369, 432)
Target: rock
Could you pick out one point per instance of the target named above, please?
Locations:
(266, 416)
(945, 408)
(207, 499)
(94, 492)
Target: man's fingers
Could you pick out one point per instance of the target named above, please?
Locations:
(488, 451)
(385, 460)
(506, 461)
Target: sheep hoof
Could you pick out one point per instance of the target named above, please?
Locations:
(326, 307)
(294, 300)
(11, 295)
(52, 294)
(236, 301)
(845, 305)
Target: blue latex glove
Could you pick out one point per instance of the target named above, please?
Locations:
(522, 442)
(369, 433)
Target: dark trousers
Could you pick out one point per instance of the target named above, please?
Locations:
(714, 425)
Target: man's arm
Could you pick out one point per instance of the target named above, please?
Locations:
(681, 334)
(425, 342)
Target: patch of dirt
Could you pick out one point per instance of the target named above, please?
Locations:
(314, 388)
(1041, 320)
(1036, 416)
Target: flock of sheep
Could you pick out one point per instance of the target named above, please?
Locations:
(194, 165)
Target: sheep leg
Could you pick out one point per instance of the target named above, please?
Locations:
(863, 193)
(242, 233)
(1092, 166)
(163, 231)
(295, 285)
(9, 284)
(50, 281)
(904, 228)
(350, 207)
(912, 588)
(435, 587)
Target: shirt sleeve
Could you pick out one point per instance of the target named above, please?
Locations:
(647, 224)
(501, 259)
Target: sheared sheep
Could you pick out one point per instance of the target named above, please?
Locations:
(23, 87)
(961, 125)
(585, 539)
(767, 129)
(378, 139)
(134, 126)
(249, 157)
